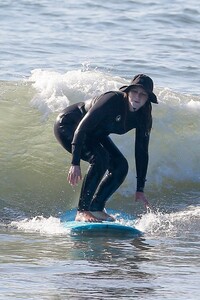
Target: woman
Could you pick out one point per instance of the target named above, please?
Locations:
(83, 129)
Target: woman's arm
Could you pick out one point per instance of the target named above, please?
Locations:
(141, 159)
(95, 116)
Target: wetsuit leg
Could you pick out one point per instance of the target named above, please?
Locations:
(118, 169)
(98, 158)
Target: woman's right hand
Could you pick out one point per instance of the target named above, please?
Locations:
(74, 175)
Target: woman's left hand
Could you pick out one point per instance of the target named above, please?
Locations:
(140, 196)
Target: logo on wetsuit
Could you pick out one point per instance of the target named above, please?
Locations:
(118, 118)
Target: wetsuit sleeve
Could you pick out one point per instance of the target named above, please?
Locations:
(141, 157)
(97, 113)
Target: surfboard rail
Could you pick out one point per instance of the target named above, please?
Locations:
(102, 228)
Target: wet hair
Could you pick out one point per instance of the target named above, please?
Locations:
(146, 116)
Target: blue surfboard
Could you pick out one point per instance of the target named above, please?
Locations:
(100, 228)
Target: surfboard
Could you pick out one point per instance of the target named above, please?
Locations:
(105, 228)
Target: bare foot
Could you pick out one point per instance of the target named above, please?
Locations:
(86, 216)
(103, 216)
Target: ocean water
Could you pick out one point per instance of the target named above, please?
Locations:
(55, 53)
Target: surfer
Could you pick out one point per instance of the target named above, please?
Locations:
(83, 130)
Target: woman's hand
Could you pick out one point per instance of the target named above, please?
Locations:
(140, 196)
(74, 175)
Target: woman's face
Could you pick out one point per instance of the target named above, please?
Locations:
(137, 97)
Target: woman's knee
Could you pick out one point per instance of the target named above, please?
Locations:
(120, 167)
(100, 161)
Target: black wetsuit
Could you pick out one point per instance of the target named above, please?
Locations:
(83, 129)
